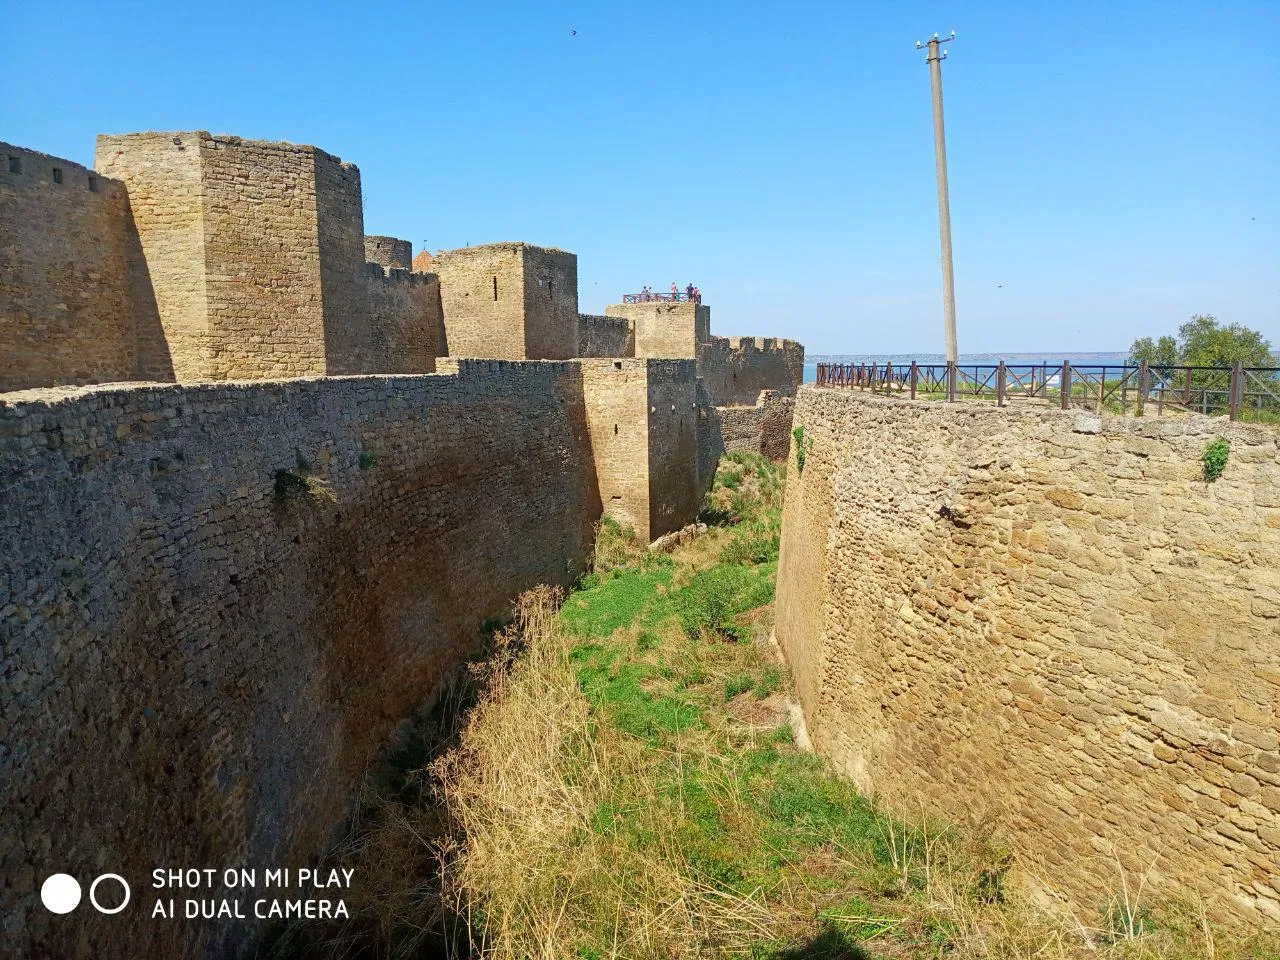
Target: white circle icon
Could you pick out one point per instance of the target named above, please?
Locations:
(93, 889)
(60, 893)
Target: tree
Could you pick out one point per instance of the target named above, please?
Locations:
(1203, 342)
(1157, 353)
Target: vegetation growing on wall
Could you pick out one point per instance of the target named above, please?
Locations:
(1215, 458)
(302, 481)
(801, 452)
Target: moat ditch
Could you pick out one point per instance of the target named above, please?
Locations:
(616, 774)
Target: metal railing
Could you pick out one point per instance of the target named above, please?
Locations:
(653, 297)
(1239, 391)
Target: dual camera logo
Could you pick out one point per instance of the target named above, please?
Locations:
(61, 893)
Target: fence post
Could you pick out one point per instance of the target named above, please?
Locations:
(1186, 393)
(915, 373)
(888, 376)
(1000, 384)
(1237, 376)
(1144, 385)
(952, 370)
(1064, 385)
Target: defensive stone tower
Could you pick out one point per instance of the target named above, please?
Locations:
(389, 252)
(665, 328)
(512, 301)
(255, 252)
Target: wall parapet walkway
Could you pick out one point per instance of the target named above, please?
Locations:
(1051, 623)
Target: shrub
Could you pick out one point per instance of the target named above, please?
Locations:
(707, 604)
(617, 545)
(1215, 458)
(801, 453)
(291, 484)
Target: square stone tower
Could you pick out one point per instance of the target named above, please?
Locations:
(666, 329)
(509, 301)
(255, 252)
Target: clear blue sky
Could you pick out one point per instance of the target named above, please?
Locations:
(1114, 166)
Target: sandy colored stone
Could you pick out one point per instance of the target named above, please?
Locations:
(1140, 651)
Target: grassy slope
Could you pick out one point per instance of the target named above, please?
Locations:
(626, 784)
(673, 815)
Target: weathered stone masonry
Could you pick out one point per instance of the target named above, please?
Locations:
(1067, 634)
(200, 658)
(63, 273)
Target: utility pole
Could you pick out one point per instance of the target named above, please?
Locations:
(934, 58)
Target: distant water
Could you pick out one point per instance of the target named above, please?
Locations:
(904, 359)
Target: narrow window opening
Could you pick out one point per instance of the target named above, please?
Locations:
(550, 289)
(615, 429)
(495, 288)
(15, 164)
(93, 184)
(57, 175)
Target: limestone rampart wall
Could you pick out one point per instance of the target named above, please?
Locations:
(509, 300)
(220, 599)
(736, 369)
(65, 315)
(605, 336)
(675, 409)
(406, 330)
(764, 428)
(1049, 625)
(390, 253)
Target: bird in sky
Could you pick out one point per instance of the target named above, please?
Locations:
(573, 33)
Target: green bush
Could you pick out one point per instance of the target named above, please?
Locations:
(713, 597)
(1215, 458)
(801, 453)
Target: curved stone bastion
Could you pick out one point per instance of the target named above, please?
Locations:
(219, 600)
(1052, 625)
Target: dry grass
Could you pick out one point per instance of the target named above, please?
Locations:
(617, 797)
(624, 785)
(533, 872)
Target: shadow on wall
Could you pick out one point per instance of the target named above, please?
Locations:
(153, 359)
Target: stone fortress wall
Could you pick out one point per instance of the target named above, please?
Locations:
(389, 253)
(751, 381)
(194, 257)
(604, 336)
(1050, 624)
(217, 598)
(63, 273)
(763, 428)
(200, 657)
(509, 300)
